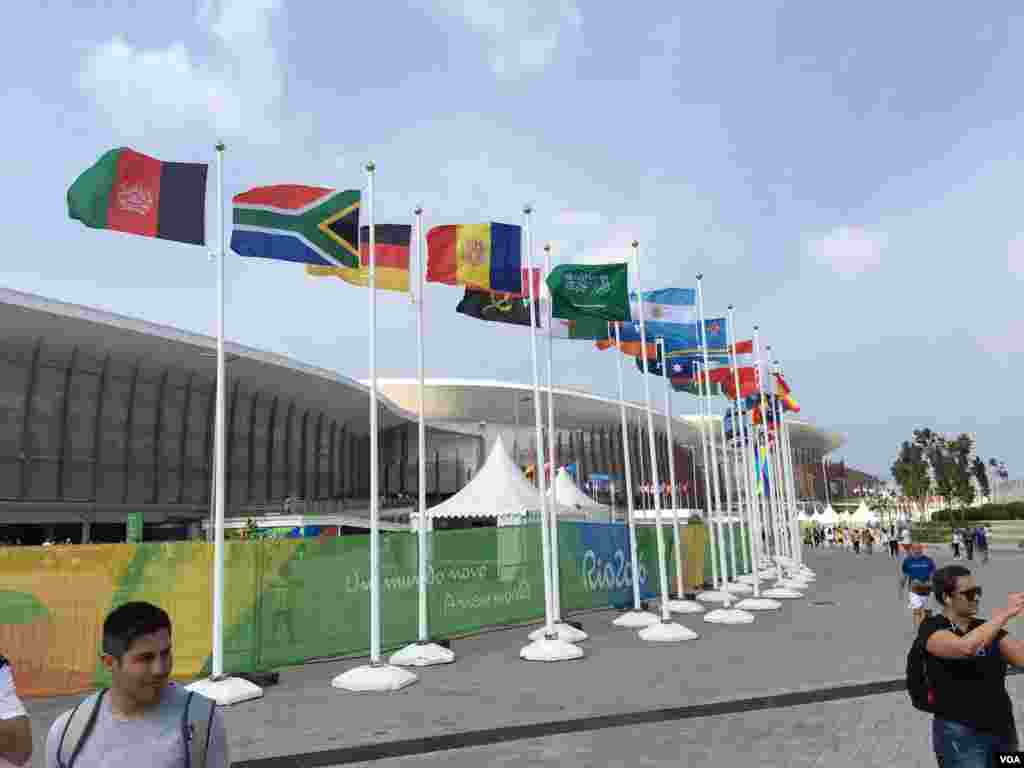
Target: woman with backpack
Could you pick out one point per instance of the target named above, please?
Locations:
(956, 671)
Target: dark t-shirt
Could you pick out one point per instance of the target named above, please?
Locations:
(970, 691)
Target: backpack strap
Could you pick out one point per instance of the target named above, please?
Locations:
(77, 729)
(197, 725)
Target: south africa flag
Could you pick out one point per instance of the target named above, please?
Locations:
(290, 222)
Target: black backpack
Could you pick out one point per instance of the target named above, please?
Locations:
(919, 687)
(922, 695)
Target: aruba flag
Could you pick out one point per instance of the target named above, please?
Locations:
(486, 257)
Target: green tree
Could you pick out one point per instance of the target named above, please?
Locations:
(960, 453)
(910, 471)
(980, 472)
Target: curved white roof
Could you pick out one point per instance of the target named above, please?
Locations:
(28, 318)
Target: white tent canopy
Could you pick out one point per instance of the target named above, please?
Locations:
(571, 496)
(828, 517)
(863, 515)
(499, 490)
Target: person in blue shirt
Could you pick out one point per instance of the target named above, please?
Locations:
(916, 572)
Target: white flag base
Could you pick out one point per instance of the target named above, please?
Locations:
(739, 588)
(550, 650)
(714, 596)
(729, 616)
(667, 632)
(636, 619)
(374, 678)
(758, 604)
(782, 593)
(565, 632)
(226, 690)
(799, 584)
(421, 655)
(684, 606)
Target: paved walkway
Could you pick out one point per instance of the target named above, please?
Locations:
(863, 637)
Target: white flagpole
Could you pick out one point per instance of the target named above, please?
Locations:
(374, 438)
(637, 617)
(719, 537)
(787, 465)
(757, 602)
(781, 501)
(780, 468)
(680, 604)
(709, 516)
(219, 427)
(565, 631)
(730, 535)
(666, 630)
(422, 653)
(421, 431)
(376, 676)
(780, 590)
(734, 454)
(671, 470)
(218, 686)
(550, 647)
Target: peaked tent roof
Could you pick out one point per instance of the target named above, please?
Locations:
(828, 517)
(569, 495)
(497, 490)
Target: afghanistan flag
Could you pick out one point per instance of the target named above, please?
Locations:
(485, 257)
(498, 308)
(130, 192)
(580, 291)
(290, 222)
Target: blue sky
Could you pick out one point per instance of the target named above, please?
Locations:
(847, 176)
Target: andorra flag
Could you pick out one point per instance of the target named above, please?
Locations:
(785, 395)
(130, 192)
(485, 257)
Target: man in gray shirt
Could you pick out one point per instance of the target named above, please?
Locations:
(140, 718)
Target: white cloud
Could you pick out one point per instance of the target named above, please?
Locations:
(238, 92)
(1005, 343)
(521, 37)
(1015, 256)
(848, 251)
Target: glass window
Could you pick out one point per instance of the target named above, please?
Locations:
(143, 439)
(196, 480)
(239, 460)
(258, 483)
(111, 477)
(13, 384)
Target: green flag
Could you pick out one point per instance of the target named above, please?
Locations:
(588, 328)
(598, 291)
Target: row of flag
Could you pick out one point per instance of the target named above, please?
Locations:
(319, 228)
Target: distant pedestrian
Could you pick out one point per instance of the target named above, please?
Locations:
(966, 662)
(894, 545)
(969, 544)
(981, 541)
(869, 541)
(916, 573)
(142, 719)
(957, 541)
(905, 541)
(855, 535)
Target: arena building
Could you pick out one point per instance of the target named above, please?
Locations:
(103, 415)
